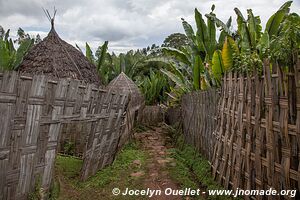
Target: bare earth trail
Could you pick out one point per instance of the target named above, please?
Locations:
(154, 142)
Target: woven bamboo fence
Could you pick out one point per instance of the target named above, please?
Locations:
(199, 120)
(32, 113)
(173, 116)
(152, 115)
(258, 131)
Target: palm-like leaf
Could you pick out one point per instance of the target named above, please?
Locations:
(179, 55)
(273, 24)
(22, 50)
(202, 32)
(229, 48)
(217, 65)
(89, 53)
(102, 56)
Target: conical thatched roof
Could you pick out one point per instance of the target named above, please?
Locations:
(123, 83)
(58, 59)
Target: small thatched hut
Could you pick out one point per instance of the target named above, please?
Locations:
(124, 84)
(58, 59)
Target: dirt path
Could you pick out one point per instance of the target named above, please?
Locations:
(145, 164)
(157, 178)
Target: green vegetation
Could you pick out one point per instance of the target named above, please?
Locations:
(191, 170)
(101, 184)
(68, 166)
(196, 60)
(10, 58)
(175, 40)
(154, 87)
(36, 194)
(205, 59)
(136, 65)
(69, 148)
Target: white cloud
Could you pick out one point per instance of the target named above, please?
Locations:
(125, 23)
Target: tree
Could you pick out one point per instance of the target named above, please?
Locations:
(22, 36)
(175, 40)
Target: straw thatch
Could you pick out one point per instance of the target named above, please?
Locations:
(58, 59)
(124, 84)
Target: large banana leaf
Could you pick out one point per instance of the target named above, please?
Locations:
(219, 23)
(217, 65)
(188, 31)
(174, 66)
(202, 32)
(179, 82)
(22, 50)
(102, 56)
(223, 33)
(197, 69)
(254, 28)
(89, 53)
(263, 45)
(179, 55)
(229, 48)
(212, 43)
(6, 59)
(10, 46)
(243, 31)
(276, 19)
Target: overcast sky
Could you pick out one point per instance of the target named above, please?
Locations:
(126, 24)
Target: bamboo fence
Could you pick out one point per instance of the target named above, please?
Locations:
(199, 120)
(258, 132)
(251, 136)
(32, 113)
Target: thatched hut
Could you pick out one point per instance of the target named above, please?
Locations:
(124, 84)
(58, 59)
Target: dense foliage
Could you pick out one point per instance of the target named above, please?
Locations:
(196, 60)
(10, 58)
(136, 65)
(204, 60)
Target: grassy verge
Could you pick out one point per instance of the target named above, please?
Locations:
(100, 186)
(191, 170)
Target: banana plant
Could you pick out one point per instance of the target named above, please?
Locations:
(274, 22)
(252, 44)
(229, 49)
(204, 41)
(286, 44)
(217, 65)
(154, 88)
(10, 58)
(190, 61)
(89, 53)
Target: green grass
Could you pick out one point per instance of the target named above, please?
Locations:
(68, 166)
(116, 171)
(101, 184)
(191, 170)
(139, 128)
